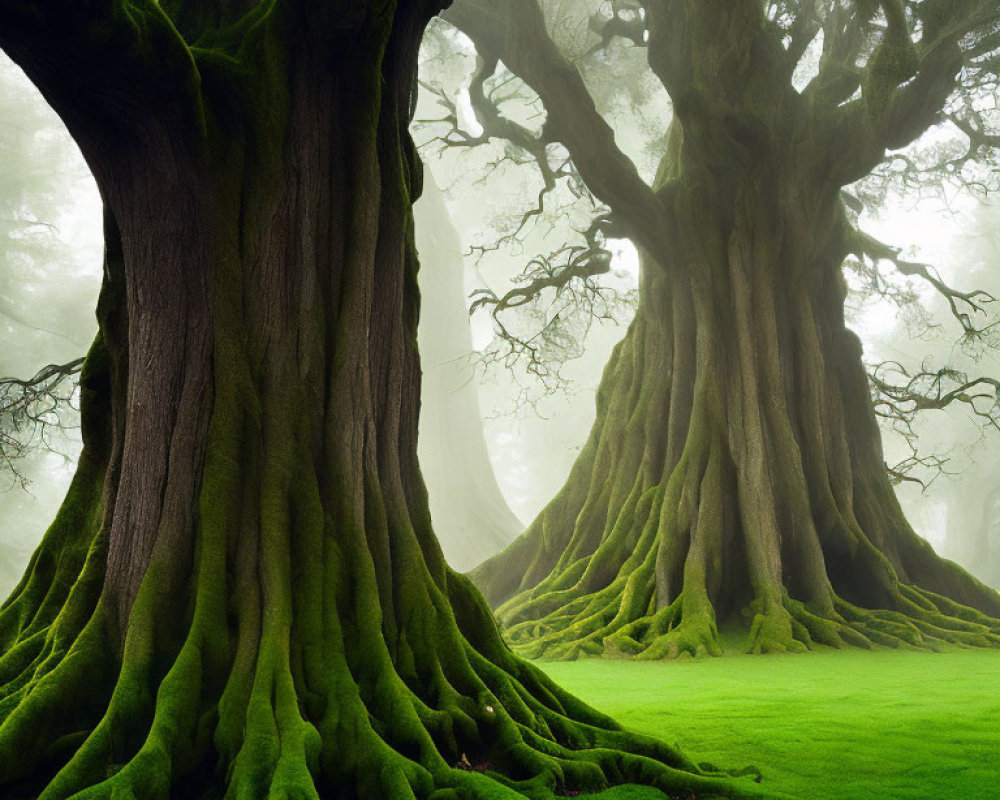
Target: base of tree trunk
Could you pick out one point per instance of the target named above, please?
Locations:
(298, 666)
(595, 626)
(454, 714)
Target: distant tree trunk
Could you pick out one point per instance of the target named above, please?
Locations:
(977, 526)
(470, 516)
(735, 468)
(963, 516)
(241, 595)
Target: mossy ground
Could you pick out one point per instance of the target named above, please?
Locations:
(628, 793)
(830, 725)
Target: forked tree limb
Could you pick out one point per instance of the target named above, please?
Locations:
(515, 33)
(963, 304)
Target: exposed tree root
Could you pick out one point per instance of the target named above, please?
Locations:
(479, 724)
(300, 664)
(788, 626)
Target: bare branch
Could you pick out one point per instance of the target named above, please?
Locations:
(899, 396)
(30, 409)
(903, 470)
(933, 390)
(553, 271)
(973, 127)
(551, 335)
(514, 32)
(964, 305)
(627, 21)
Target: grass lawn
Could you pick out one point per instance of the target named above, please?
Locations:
(828, 725)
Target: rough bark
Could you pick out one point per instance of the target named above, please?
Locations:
(471, 518)
(735, 469)
(242, 596)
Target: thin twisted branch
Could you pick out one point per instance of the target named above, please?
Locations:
(31, 409)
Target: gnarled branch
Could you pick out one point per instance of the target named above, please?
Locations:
(899, 396)
(963, 305)
(30, 408)
(571, 273)
(514, 32)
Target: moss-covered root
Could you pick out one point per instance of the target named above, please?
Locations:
(305, 664)
(602, 625)
(915, 622)
(478, 724)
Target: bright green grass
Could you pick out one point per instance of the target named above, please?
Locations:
(828, 725)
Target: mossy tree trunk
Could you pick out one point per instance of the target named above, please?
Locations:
(242, 596)
(735, 468)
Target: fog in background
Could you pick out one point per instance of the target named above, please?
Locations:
(530, 430)
(50, 273)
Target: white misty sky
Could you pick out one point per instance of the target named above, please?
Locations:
(55, 299)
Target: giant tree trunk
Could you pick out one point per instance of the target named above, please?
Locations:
(241, 595)
(735, 469)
